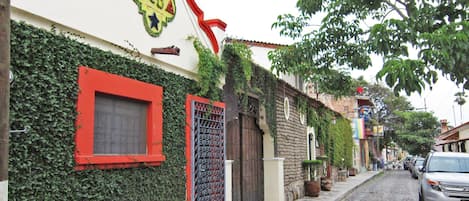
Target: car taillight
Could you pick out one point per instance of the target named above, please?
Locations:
(434, 184)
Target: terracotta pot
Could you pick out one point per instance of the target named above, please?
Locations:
(312, 188)
(352, 172)
(326, 184)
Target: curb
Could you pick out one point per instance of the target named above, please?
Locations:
(341, 197)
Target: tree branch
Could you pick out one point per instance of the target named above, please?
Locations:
(394, 6)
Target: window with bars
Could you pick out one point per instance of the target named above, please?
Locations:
(119, 122)
(119, 125)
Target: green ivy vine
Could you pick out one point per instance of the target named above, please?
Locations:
(238, 57)
(43, 97)
(265, 86)
(210, 70)
(341, 146)
(301, 104)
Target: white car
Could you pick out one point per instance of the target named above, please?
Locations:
(445, 176)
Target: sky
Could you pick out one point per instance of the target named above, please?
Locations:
(252, 20)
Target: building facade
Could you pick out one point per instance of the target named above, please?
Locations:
(102, 105)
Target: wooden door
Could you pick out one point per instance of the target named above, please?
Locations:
(251, 164)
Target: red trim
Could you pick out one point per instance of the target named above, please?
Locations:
(216, 23)
(91, 81)
(206, 25)
(189, 100)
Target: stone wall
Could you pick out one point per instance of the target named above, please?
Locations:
(291, 143)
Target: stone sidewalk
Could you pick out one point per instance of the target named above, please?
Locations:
(342, 189)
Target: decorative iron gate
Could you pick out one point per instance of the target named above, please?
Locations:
(208, 152)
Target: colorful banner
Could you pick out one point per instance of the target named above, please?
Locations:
(358, 127)
(365, 112)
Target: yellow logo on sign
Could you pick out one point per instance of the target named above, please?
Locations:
(156, 14)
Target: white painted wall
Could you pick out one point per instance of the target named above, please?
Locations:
(4, 190)
(260, 56)
(118, 22)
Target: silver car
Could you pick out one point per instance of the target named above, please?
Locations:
(444, 176)
(416, 167)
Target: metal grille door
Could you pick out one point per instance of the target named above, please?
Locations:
(208, 152)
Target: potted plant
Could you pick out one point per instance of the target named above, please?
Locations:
(326, 182)
(352, 171)
(312, 182)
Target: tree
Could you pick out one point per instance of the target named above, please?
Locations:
(437, 30)
(460, 100)
(416, 131)
(385, 106)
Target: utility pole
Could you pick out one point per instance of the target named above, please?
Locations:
(4, 95)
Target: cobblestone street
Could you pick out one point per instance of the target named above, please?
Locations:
(394, 185)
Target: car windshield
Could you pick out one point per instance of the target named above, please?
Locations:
(419, 162)
(449, 164)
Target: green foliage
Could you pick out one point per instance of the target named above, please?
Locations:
(312, 118)
(323, 120)
(302, 104)
(438, 30)
(416, 131)
(43, 97)
(265, 86)
(238, 57)
(385, 104)
(460, 98)
(341, 140)
(309, 163)
(210, 70)
(290, 60)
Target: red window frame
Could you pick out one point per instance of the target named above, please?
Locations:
(189, 100)
(91, 81)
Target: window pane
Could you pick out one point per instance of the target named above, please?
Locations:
(120, 125)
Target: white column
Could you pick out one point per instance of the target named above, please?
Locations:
(228, 180)
(273, 179)
(4, 190)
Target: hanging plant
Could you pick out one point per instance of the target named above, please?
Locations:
(312, 118)
(238, 57)
(265, 86)
(210, 70)
(301, 104)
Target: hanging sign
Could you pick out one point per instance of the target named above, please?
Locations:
(378, 130)
(156, 14)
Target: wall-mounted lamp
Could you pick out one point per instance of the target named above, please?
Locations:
(173, 50)
(11, 77)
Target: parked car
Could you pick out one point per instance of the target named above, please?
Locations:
(406, 162)
(416, 167)
(410, 164)
(445, 176)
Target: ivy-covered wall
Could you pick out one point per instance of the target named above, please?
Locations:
(341, 146)
(43, 97)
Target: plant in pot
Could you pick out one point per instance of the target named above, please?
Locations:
(312, 182)
(326, 182)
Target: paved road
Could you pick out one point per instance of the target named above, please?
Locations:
(396, 185)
